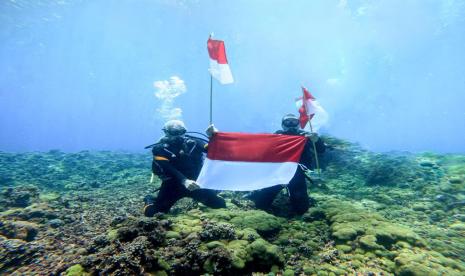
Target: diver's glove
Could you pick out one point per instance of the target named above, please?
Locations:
(191, 185)
(312, 136)
(211, 129)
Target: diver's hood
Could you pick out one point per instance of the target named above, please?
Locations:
(174, 128)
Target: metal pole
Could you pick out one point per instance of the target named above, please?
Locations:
(211, 99)
(313, 143)
(314, 150)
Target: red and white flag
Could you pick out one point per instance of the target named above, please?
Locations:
(310, 107)
(246, 162)
(219, 67)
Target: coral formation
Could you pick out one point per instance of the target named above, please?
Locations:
(375, 214)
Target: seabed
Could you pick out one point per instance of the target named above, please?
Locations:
(375, 214)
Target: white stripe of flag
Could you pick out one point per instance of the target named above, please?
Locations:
(219, 67)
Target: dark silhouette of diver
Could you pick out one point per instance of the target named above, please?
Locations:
(177, 161)
(297, 187)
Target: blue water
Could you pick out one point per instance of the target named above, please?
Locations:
(78, 74)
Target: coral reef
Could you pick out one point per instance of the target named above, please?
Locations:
(130, 251)
(375, 214)
(20, 196)
(15, 253)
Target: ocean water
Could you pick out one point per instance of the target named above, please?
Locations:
(86, 85)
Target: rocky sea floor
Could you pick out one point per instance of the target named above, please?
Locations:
(375, 214)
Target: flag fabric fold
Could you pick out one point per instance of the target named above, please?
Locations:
(245, 162)
(219, 67)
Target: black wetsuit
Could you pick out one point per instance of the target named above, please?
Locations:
(297, 186)
(175, 162)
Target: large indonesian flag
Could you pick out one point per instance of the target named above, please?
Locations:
(219, 67)
(245, 162)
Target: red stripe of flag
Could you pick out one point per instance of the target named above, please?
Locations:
(217, 51)
(233, 146)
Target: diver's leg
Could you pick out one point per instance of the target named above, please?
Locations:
(264, 198)
(298, 193)
(208, 197)
(170, 192)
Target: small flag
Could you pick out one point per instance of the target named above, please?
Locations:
(307, 110)
(219, 67)
(246, 162)
(309, 107)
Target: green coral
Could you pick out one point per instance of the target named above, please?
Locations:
(349, 222)
(380, 214)
(172, 235)
(47, 197)
(240, 255)
(214, 244)
(264, 253)
(421, 262)
(458, 226)
(344, 248)
(265, 224)
(76, 270)
(112, 234)
(369, 242)
(344, 233)
(248, 249)
(186, 224)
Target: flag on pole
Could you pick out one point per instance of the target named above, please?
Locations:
(219, 67)
(309, 108)
(246, 162)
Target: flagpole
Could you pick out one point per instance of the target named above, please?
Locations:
(311, 131)
(211, 99)
(211, 89)
(314, 151)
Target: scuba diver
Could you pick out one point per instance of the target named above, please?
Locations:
(297, 187)
(177, 161)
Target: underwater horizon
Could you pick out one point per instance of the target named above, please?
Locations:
(85, 75)
(87, 85)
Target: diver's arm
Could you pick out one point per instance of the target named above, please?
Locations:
(210, 131)
(314, 138)
(161, 165)
(171, 171)
(163, 168)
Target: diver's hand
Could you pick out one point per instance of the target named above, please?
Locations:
(313, 136)
(211, 129)
(191, 185)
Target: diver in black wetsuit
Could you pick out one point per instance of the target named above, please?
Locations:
(177, 160)
(299, 199)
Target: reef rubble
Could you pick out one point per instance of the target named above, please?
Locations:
(375, 214)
